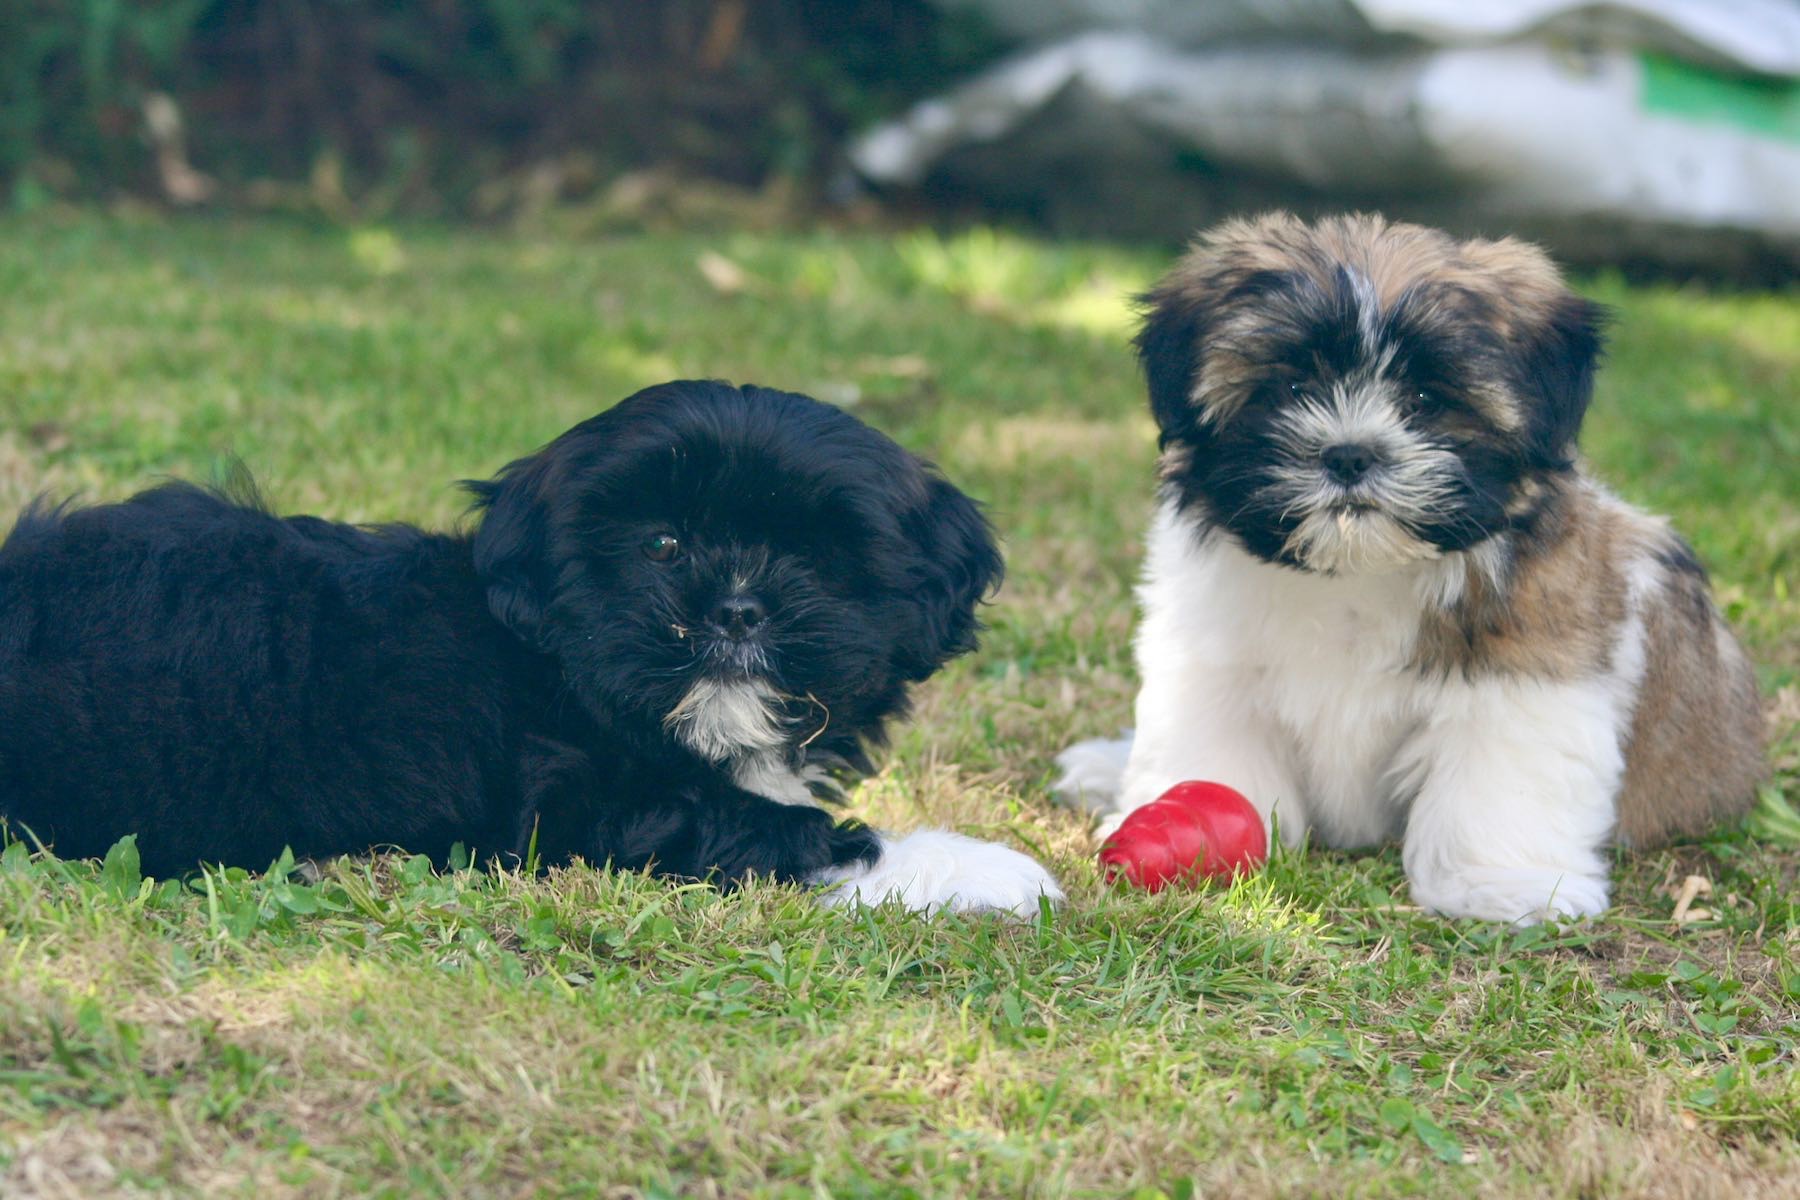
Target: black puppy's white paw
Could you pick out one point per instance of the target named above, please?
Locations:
(934, 870)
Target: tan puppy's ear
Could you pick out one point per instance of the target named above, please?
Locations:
(1554, 365)
(1168, 348)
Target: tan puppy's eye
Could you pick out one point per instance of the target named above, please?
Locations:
(662, 547)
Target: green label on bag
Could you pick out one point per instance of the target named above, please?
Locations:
(1756, 104)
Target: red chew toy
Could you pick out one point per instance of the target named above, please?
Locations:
(1195, 830)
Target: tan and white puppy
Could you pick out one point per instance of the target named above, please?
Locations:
(1383, 599)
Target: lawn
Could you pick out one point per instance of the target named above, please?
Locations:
(392, 1031)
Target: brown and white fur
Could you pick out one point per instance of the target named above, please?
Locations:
(1383, 599)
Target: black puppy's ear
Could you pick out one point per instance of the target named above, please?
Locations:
(512, 547)
(960, 566)
(1555, 369)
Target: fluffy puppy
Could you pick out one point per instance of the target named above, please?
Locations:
(1383, 599)
(670, 626)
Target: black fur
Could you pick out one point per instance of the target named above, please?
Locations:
(223, 682)
(1168, 349)
(1555, 369)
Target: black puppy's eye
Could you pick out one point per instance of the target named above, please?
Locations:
(1295, 389)
(662, 547)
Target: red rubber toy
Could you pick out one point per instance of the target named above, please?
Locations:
(1196, 830)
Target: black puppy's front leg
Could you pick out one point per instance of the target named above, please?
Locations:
(727, 834)
(696, 829)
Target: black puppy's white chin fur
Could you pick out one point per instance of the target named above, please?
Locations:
(723, 719)
(741, 724)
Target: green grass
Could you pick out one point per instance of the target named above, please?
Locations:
(386, 1030)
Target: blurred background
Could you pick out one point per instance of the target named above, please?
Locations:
(1661, 135)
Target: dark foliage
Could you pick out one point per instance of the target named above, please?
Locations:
(427, 100)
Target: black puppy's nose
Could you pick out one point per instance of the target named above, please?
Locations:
(736, 616)
(1347, 463)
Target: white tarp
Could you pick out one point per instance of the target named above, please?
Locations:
(1754, 35)
(1661, 115)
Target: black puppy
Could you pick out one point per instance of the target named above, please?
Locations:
(670, 625)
